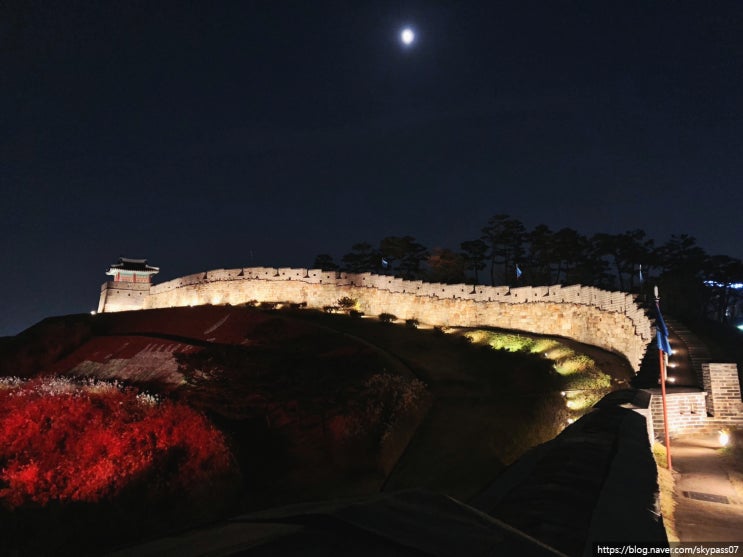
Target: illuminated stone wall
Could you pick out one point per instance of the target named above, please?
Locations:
(123, 296)
(718, 406)
(611, 320)
(687, 412)
(722, 384)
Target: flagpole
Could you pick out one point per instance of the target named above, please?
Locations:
(663, 390)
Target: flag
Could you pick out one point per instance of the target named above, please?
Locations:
(661, 334)
(385, 263)
(641, 273)
(518, 271)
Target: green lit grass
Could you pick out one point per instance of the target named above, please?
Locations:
(542, 345)
(502, 341)
(574, 363)
(582, 381)
(581, 401)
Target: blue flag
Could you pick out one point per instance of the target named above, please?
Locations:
(661, 334)
(385, 263)
(640, 274)
(518, 271)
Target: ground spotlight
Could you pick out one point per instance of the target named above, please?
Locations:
(724, 438)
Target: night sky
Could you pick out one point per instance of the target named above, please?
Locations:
(228, 134)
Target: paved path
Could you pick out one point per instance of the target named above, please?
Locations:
(703, 472)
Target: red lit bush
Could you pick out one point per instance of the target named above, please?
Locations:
(67, 441)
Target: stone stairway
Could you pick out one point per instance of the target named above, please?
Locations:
(697, 351)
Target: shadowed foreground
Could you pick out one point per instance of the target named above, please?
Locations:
(596, 481)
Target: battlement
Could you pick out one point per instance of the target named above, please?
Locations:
(611, 320)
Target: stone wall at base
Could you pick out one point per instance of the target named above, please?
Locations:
(610, 320)
(722, 383)
(687, 412)
(717, 407)
(123, 296)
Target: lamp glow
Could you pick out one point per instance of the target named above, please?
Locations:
(724, 438)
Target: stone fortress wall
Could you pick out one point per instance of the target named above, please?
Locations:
(610, 320)
(123, 296)
(717, 407)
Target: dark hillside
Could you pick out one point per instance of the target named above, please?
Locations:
(307, 412)
(312, 406)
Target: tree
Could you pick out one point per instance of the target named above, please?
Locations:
(475, 254)
(404, 254)
(589, 267)
(681, 280)
(445, 265)
(346, 303)
(569, 249)
(363, 258)
(626, 251)
(724, 281)
(680, 253)
(325, 262)
(540, 246)
(504, 237)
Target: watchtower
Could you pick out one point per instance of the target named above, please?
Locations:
(130, 285)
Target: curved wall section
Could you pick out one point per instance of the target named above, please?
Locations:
(611, 320)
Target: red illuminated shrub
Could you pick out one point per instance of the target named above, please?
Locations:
(67, 441)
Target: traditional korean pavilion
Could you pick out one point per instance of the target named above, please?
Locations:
(132, 270)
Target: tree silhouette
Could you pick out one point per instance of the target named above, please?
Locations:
(475, 254)
(568, 250)
(504, 237)
(361, 259)
(681, 280)
(722, 274)
(626, 252)
(692, 283)
(540, 245)
(325, 262)
(445, 265)
(404, 254)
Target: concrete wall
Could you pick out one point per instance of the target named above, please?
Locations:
(611, 320)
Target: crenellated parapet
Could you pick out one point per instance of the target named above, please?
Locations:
(611, 320)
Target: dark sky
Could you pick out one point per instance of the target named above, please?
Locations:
(227, 134)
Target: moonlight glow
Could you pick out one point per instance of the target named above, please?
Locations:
(407, 36)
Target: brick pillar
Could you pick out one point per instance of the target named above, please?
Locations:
(723, 392)
(686, 412)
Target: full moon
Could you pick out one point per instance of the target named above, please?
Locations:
(407, 36)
